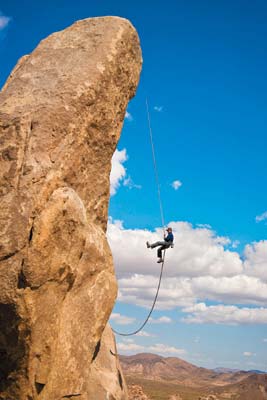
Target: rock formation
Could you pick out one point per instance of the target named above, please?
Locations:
(136, 393)
(61, 113)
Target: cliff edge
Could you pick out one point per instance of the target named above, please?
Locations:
(61, 114)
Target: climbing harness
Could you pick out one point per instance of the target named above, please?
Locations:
(163, 228)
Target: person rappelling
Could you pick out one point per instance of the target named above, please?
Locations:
(168, 242)
(163, 245)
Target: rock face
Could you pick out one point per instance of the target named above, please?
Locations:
(61, 113)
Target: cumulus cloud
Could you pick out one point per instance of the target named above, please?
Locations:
(197, 252)
(221, 314)
(121, 319)
(199, 268)
(207, 226)
(126, 347)
(161, 320)
(145, 334)
(4, 21)
(261, 217)
(141, 289)
(158, 108)
(118, 171)
(160, 348)
(240, 289)
(256, 259)
(128, 116)
(176, 184)
(118, 174)
(183, 292)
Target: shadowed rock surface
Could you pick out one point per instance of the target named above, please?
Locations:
(61, 114)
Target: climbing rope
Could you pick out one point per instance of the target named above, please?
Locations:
(163, 227)
(151, 310)
(155, 168)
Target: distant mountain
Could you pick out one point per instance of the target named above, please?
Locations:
(254, 387)
(222, 370)
(173, 378)
(173, 369)
(256, 371)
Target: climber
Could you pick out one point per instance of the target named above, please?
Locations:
(168, 241)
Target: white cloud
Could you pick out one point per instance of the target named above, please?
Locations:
(159, 348)
(248, 354)
(145, 334)
(199, 268)
(140, 290)
(127, 340)
(121, 319)
(221, 314)
(264, 340)
(118, 171)
(197, 252)
(184, 292)
(207, 226)
(4, 21)
(130, 347)
(240, 289)
(261, 217)
(161, 320)
(130, 183)
(256, 259)
(128, 116)
(118, 174)
(158, 108)
(176, 184)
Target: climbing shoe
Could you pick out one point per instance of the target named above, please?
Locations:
(160, 260)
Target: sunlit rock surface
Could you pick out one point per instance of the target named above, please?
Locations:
(61, 114)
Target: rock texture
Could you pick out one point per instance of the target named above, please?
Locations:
(61, 113)
(136, 393)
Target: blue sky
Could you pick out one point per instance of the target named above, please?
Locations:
(204, 75)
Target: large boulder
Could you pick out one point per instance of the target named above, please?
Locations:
(61, 114)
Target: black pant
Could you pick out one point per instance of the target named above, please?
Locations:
(163, 246)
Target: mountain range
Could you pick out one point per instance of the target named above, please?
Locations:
(174, 369)
(174, 376)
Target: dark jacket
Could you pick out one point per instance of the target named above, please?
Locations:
(169, 237)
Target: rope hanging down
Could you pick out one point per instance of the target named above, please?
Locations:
(163, 227)
(155, 168)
